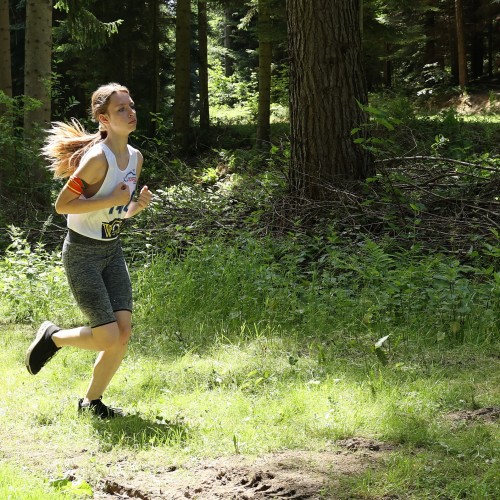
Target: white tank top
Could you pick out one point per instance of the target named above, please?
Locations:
(105, 224)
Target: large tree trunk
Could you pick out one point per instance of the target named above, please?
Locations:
(228, 42)
(461, 48)
(6, 128)
(491, 15)
(5, 63)
(37, 66)
(388, 67)
(182, 73)
(37, 85)
(203, 49)
(478, 46)
(155, 77)
(452, 46)
(490, 46)
(265, 59)
(430, 56)
(326, 81)
(477, 53)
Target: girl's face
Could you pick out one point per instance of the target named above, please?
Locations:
(121, 115)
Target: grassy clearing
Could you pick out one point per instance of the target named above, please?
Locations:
(246, 344)
(265, 394)
(249, 348)
(17, 484)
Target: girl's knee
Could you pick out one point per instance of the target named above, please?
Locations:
(124, 322)
(106, 336)
(125, 334)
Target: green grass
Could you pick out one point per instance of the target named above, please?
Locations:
(251, 345)
(343, 298)
(462, 465)
(269, 393)
(17, 483)
(237, 352)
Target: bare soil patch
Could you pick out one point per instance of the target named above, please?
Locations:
(481, 99)
(478, 102)
(489, 414)
(288, 474)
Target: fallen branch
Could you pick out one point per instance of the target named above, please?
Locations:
(438, 159)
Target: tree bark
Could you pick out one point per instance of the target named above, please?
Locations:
(490, 47)
(182, 73)
(5, 62)
(228, 42)
(155, 46)
(388, 67)
(6, 119)
(326, 80)
(203, 75)
(461, 48)
(265, 60)
(37, 65)
(453, 47)
(430, 56)
(478, 39)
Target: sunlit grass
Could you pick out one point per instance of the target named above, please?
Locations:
(235, 114)
(461, 464)
(244, 115)
(22, 484)
(267, 394)
(492, 118)
(248, 347)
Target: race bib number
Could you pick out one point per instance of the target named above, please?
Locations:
(111, 230)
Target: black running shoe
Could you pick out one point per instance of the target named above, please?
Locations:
(42, 348)
(99, 409)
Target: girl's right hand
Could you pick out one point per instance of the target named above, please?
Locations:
(121, 194)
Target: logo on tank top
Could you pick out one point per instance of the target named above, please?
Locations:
(130, 177)
(111, 229)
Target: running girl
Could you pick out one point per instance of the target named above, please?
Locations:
(103, 170)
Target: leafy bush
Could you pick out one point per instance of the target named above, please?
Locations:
(22, 187)
(228, 91)
(317, 289)
(33, 285)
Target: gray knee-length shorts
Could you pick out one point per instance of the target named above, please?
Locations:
(98, 277)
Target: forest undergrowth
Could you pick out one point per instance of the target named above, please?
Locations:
(265, 323)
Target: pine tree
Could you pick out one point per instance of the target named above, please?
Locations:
(182, 73)
(5, 62)
(326, 86)
(37, 66)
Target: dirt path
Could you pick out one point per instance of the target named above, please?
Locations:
(290, 474)
(287, 474)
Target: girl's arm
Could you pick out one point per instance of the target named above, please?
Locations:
(145, 196)
(142, 202)
(91, 172)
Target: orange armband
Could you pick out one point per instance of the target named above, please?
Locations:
(76, 185)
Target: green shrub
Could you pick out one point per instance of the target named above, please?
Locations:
(316, 290)
(33, 285)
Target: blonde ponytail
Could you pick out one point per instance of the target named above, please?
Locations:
(65, 146)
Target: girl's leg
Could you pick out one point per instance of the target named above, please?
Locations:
(100, 282)
(108, 361)
(100, 338)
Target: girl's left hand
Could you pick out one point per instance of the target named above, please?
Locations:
(145, 197)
